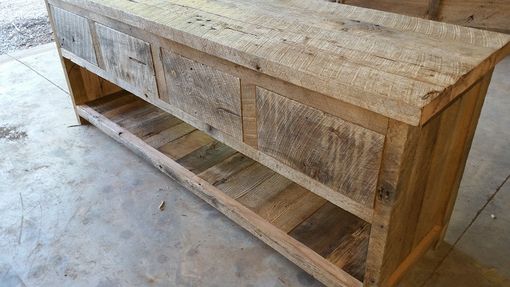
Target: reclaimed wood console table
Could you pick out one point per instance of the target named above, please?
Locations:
(337, 135)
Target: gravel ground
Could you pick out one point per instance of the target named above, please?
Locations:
(23, 24)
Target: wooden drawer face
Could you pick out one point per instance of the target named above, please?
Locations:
(74, 35)
(210, 95)
(129, 59)
(339, 154)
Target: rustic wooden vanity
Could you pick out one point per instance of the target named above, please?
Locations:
(337, 135)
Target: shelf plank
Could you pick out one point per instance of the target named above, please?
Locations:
(119, 113)
(155, 126)
(282, 202)
(172, 133)
(220, 172)
(245, 180)
(334, 234)
(104, 104)
(138, 117)
(206, 157)
(186, 144)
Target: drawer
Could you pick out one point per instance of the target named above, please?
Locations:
(210, 95)
(73, 33)
(129, 59)
(337, 153)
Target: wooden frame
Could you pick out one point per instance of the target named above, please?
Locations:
(379, 213)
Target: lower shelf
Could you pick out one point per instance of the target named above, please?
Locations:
(326, 241)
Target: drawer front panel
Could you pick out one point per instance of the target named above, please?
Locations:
(74, 35)
(129, 59)
(339, 154)
(210, 95)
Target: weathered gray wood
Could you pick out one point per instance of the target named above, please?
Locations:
(129, 59)
(326, 233)
(208, 94)
(245, 180)
(73, 34)
(336, 153)
(228, 167)
(282, 203)
(186, 144)
(206, 157)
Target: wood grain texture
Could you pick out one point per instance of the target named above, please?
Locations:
(73, 34)
(245, 180)
(208, 94)
(129, 59)
(413, 257)
(326, 230)
(336, 153)
(185, 145)
(160, 139)
(228, 167)
(281, 202)
(206, 157)
(391, 64)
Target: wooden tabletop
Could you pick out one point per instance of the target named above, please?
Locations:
(402, 67)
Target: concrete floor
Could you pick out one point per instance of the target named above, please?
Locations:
(78, 209)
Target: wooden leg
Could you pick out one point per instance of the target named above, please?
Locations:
(473, 122)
